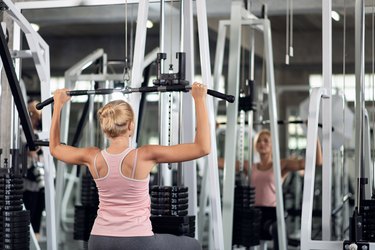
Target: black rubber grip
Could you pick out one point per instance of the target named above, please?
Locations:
(44, 103)
(42, 143)
(228, 98)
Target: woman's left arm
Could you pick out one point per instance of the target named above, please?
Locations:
(294, 164)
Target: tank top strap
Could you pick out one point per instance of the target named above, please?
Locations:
(95, 168)
(124, 154)
(134, 163)
(115, 157)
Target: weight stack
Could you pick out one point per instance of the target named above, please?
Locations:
(84, 216)
(246, 218)
(14, 222)
(367, 211)
(169, 211)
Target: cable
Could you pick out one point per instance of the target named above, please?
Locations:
(291, 50)
(171, 32)
(126, 74)
(287, 33)
(373, 83)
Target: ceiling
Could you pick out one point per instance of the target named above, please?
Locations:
(52, 20)
(74, 32)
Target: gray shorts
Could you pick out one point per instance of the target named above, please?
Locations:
(155, 242)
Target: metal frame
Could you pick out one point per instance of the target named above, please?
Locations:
(216, 226)
(263, 25)
(40, 53)
(139, 49)
(367, 162)
(306, 241)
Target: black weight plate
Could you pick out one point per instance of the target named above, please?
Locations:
(11, 187)
(15, 235)
(160, 206)
(11, 208)
(160, 212)
(11, 181)
(236, 195)
(16, 230)
(156, 194)
(179, 195)
(11, 176)
(10, 215)
(179, 201)
(12, 197)
(17, 241)
(22, 246)
(89, 192)
(16, 224)
(161, 188)
(160, 200)
(179, 213)
(11, 192)
(179, 206)
(10, 202)
(179, 189)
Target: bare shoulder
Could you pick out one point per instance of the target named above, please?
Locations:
(148, 150)
(154, 153)
(90, 153)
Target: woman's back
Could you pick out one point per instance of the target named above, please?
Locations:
(124, 207)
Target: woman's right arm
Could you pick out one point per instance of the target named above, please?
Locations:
(188, 151)
(65, 153)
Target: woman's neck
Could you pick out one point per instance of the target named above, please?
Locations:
(120, 141)
(265, 159)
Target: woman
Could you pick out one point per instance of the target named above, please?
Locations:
(262, 176)
(33, 195)
(122, 174)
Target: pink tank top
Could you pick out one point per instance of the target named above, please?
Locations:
(124, 203)
(264, 183)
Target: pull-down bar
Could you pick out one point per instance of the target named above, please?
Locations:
(127, 90)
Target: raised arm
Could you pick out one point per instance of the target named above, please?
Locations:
(299, 164)
(65, 153)
(188, 151)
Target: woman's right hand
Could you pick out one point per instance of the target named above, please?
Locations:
(60, 96)
(198, 90)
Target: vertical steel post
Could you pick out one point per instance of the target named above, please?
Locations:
(164, 175)
(139, 50)
(231, 130)
(219, 59)
(189, 169)
(272, 107)
(215, 219)
(359, 80)
(327, 120)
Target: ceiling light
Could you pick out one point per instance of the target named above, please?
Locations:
(149, 24)
(35, 26)
(335, 16)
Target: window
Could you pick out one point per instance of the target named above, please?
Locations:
(349, 91)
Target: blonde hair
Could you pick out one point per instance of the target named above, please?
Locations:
(260, 133)
(115, 118)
